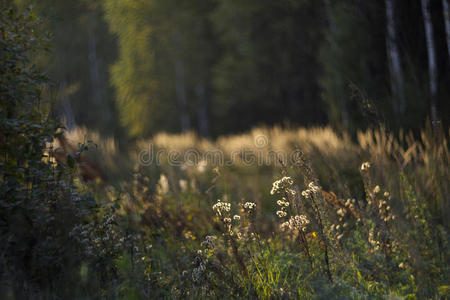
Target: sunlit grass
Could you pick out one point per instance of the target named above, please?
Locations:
(338, 227)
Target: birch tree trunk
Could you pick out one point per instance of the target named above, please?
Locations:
(446, 10)
(432, 68)
(395, 69)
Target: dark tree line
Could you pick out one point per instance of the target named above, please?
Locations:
(219, 66)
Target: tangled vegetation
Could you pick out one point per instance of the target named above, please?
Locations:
(343, 219)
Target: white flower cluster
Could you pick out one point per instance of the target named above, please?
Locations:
(373, 241)
(350, 203)
(249, 206)
(221, 207)
(365, 166)
(381, 203)
(298, 222)
(341, 212)
(282, 185)
(283, 203)
(385, 211)
(337, 230)
(312, 189)
(376, 189)
(281, 213)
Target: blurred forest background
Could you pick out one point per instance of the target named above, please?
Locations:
(135, 67)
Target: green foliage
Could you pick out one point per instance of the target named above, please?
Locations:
(38, 200)
(163, 46)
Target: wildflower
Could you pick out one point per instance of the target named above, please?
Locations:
(313, 187)
(298, 222)
(386, 194)
(221, 207)
(283, 202)
(183, 185)
(236, 217)
(226, 220)
(163, 185)
(284, 226)
(341, 212)
(365, 166)
(281, 213)
(306, 194)
(201, 166)
(281, 185)
(377, 189)
(249, 205)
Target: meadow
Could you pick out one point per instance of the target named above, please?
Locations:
(353, 207)
(327, 216)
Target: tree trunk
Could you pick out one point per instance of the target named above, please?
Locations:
(432, 67)
(96, 83)
(94, 69)
(330, 16)
(180, 83)
(67, 111)
(202, 110)
(333, 31)
(446, 10)
(181, 95)
(395, 69)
